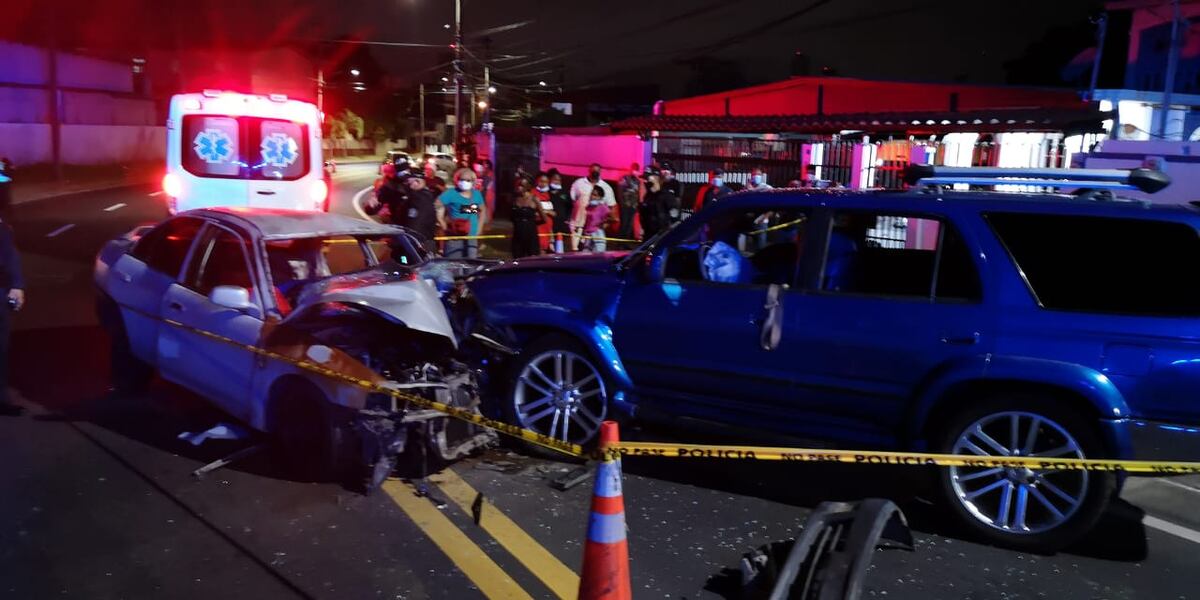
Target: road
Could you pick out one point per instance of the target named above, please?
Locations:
(98, 499)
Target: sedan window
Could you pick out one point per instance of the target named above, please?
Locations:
(165, 247)
(221, 261)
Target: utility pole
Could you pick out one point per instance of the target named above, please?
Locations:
(458, 75)
(1172, 64)
(55, 97)
(321, 89)
(422, 109)
(1101, 35)
(487, 91)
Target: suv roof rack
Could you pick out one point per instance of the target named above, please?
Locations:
(1144, 180)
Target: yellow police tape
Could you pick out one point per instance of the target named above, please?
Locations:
(744, 453)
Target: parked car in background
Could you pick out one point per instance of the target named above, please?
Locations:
(355, 296)
(394, 156)
(966, 322)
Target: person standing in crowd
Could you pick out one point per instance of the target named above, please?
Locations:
(560, 199)
(13, 284)
(715, 190)
(657, 203)
(581, 194)
(527, 216)
(758, 180)
(669, 182)
(596, 216)
(629, 190)
(465, 215)
(421, 213)
(541, 193)
(487, 180)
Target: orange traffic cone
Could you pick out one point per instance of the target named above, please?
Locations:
(606, 551)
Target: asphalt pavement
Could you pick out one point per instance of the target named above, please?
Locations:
(99, 502)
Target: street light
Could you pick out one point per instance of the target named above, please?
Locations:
(482, 105)
(491, 89)
(542, 83)
(445, 79)
(354, 72)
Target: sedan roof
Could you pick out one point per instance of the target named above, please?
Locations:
(278, 224)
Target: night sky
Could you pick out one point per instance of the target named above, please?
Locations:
(588, 44)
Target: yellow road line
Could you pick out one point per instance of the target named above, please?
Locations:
(468, 557)
(545, 566)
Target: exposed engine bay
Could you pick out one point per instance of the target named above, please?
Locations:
(401, 333)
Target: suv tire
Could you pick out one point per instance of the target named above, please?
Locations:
(540, 397)
(1024, 509)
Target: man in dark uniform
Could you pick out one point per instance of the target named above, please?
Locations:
(420, 210)
(658, 204)
(13, 285)
(392, 194)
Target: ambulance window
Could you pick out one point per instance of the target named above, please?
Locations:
(210, 146)
(281, 151)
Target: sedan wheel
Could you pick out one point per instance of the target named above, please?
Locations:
(560, 394)
(1019, 500)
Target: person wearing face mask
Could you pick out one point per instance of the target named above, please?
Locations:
(657, 203)
(669, 182)
(596, 217)
(758, 180)
(630, 191)
(541, 193)
(715, 190)
(560, 199)
(581, 194)
(465, 215)
(526, 217)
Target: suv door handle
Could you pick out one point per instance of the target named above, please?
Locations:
(175, 306)
(966, 340)
(265, 193)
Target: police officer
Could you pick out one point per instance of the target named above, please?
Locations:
(658, 204)
(421, 210)
(390, 193)
(13, 286)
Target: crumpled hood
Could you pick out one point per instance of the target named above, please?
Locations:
(399, 296)
(561, 263)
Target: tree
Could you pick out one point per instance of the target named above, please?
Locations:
(353, 123)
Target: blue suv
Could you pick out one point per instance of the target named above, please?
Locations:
(969, 322)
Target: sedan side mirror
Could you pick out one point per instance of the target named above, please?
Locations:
(232, 296)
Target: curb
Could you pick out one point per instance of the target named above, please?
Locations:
(18, 199)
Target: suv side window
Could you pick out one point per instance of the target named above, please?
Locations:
(220, 259)
(1104, 264)
(754, 247)
(165, 247)
(882, 254)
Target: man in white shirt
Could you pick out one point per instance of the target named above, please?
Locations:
(581, 192)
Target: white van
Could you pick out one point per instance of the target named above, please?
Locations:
(232, 149)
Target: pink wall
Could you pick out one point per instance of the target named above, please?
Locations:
(799, 96)
(571, 154)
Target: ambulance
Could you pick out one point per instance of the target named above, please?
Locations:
(251, 150)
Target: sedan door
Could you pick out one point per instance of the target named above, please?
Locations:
(699, 327)
(215, 369)
(139, 279)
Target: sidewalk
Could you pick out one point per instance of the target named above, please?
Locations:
(31, 185)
